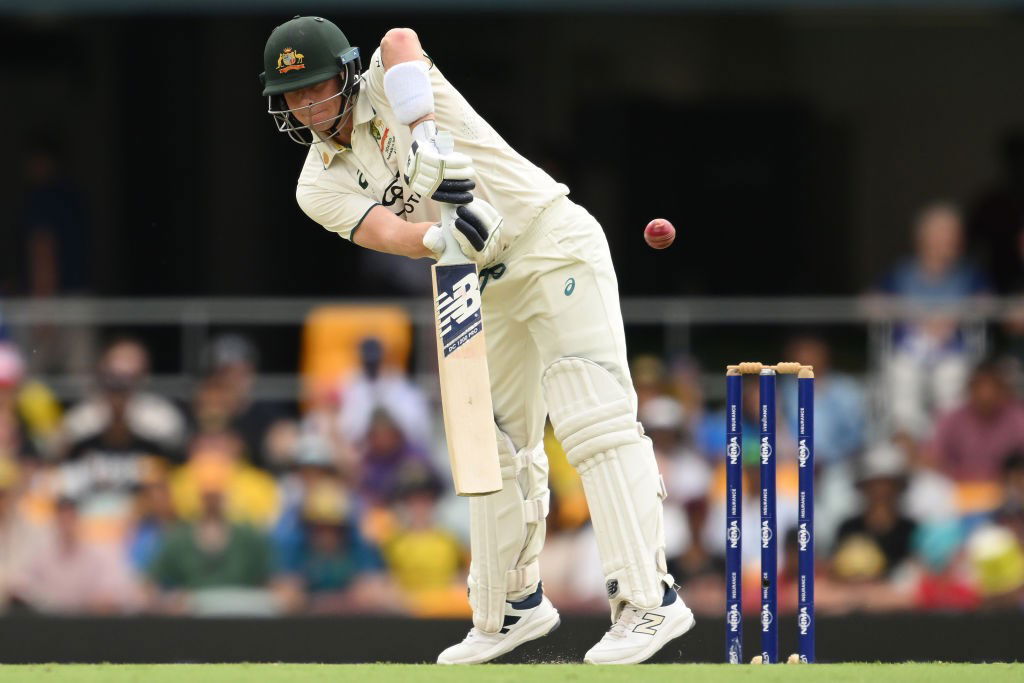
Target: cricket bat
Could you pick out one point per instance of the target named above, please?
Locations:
(462, 362)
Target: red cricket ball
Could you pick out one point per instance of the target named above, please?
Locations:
(659, 233)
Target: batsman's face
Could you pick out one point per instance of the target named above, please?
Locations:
(318, 105)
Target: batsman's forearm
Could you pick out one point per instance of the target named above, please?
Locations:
(383, 231)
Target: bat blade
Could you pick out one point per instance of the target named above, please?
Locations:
(465, 383)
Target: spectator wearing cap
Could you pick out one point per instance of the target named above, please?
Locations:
(872, 544)
(122, 405)
(232, 363)
(376, 388)
(69, 574)
(314, 466)
(972, 442)
(211, 564)
(313, 458)
(427, 561)
(325, 557)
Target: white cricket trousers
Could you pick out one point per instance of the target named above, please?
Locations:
(553, 295)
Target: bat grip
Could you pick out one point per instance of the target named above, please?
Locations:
(452, 251)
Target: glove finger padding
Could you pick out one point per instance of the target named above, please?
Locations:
(456, 166)
(471, 227)
(426, 168)
(476, 225)
(454, 192)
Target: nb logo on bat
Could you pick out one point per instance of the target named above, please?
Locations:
(457, 305)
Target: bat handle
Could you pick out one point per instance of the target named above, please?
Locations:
(452, 252)
(445, 142)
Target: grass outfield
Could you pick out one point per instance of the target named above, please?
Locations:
(524, 673)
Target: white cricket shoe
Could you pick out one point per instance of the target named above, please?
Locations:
(529, 619)
(639, 633)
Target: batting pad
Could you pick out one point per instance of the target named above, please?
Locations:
(595, 421)
(507, 533)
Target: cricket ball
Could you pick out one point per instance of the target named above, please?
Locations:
(659, 234)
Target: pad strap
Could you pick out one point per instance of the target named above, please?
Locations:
(536, 510)
(523, 577)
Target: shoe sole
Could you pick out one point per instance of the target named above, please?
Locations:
(681, 630)
(530, 632)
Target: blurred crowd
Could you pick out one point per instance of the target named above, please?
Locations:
(129, 502)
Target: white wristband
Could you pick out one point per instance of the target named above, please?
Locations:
(407, 86)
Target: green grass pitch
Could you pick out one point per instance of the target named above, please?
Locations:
(526, 673)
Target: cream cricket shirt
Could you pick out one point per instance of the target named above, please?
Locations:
(338, 186)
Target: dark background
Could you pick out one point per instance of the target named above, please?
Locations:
(981, 637)
(790, 147)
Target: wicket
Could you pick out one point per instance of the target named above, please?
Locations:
(734, 511)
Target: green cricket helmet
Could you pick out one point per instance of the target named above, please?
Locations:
(303, 52)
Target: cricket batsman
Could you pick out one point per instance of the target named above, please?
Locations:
(555, 340)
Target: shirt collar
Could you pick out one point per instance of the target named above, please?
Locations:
(362, 112)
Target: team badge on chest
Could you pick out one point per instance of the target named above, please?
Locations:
(385, 138)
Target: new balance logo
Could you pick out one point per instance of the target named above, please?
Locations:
(649, 625)
(458, 305)
(510, 620)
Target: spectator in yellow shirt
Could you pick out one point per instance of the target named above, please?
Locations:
(250, 494)
(427, 561)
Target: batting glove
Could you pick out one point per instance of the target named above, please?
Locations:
(442, 177)
(477, 227)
